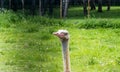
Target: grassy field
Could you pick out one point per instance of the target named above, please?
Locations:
(27, 43)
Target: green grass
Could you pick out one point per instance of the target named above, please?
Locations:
(27, 43)
(95, 50)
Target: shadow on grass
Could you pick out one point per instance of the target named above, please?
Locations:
(77, 13)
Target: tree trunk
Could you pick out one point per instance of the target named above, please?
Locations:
(92, 4)
(61, 9)
(88, 8)
(73, 2)
(40, 12)
(108, 5)
(14, 4)
(9, 4)
(65, 8)
(85, 7)
(1, 4)
(50, 7)
(43, 6)
(99, 5)
(33, 7)
(22, 5)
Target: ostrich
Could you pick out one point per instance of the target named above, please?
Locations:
(64, 38)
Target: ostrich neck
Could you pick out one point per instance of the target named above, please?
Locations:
(66, 58)
(65, 45)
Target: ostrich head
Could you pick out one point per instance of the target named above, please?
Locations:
(62, 34)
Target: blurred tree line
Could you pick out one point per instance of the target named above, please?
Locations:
(46, 6)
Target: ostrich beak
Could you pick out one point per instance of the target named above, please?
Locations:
(55, 33)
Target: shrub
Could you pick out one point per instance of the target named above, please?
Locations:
(98, 23)
(45, 21)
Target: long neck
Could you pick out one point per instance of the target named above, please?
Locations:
(66, 57)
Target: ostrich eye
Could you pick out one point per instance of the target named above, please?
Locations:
(65, 33)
